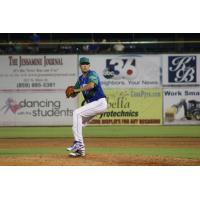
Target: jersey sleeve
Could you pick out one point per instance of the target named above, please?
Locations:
(93, 78)
(77, 85)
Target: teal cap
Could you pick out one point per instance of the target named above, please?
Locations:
(84, 60)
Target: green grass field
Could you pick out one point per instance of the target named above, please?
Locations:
(180, 153)
(102, 131)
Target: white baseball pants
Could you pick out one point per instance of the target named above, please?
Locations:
(84, 114)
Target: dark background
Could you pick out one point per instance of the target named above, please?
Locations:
(6, 37)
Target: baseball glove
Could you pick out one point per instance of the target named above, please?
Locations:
(70, 91)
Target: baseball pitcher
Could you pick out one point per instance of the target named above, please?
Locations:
(90, 86)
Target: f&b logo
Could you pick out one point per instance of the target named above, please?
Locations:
(182, 69)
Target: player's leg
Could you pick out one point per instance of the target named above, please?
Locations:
(92, 109)
(84, 114)
(81, 116)
(85, 120)
(78, 144)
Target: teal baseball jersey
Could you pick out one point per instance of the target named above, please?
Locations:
(94, 93)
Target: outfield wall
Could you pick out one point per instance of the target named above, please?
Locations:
(131, 107)
(175, 99)
(127, 71)
(32, 89)
(181, 89)
(141, 89)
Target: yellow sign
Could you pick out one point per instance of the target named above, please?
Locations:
(132, 106)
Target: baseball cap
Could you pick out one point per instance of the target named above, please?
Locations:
(84, 60)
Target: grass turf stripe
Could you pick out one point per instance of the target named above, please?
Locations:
(102, 131)
(170, 152)
(192, 153)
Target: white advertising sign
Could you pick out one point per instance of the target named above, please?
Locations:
(36, 72)
(36, 108)
(180, 69)
(127, 71)
(181, 105)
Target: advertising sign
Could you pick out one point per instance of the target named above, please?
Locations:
(127, 71)
(36, 108)
(181, 69)
(36, 72)
(132, 107)
(181, 105)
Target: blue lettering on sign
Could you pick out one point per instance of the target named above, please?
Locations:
(182, 69)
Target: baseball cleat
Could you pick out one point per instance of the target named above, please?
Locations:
(79, 153)
(76, 147)
(71, 147)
